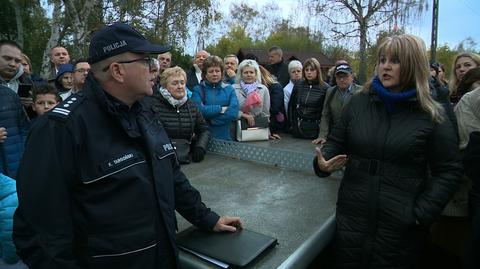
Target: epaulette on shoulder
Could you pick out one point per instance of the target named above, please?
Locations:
(63, 110)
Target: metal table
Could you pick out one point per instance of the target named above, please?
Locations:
(293, 205)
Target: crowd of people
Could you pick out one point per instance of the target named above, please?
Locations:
(96, 148)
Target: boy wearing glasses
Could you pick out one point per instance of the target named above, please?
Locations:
(106, 194)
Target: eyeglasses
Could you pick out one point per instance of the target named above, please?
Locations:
(150, 62)
(82, 70)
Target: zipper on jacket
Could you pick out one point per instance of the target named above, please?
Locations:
(179, 129)
(306, 99)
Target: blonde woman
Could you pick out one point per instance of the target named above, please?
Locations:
(462, 64)
(401, 158)
(249, 84)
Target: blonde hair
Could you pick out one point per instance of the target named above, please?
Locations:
(171, 72)
(414, 70)
(453, 83)
(247, 63)
(267, 78)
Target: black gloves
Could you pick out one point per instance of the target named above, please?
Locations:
(198, 154)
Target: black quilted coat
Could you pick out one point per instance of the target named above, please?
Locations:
(305, 108)
(182, 122)
(387, 198)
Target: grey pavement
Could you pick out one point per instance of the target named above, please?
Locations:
(285, 203)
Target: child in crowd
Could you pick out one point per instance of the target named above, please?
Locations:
(45, 97)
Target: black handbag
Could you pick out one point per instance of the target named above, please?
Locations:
(182, 149)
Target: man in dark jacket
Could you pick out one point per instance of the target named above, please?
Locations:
(13, 130)
(106, 195)
(194, 75)
(277, 67)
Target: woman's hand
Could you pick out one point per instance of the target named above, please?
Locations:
(250, 119)
(319, 141)
(275, 136)
(331, 165)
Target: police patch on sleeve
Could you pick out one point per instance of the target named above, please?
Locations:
(63, 109)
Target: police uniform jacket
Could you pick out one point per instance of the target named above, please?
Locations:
(98, 188)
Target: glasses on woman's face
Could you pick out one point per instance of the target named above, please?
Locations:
(149, 61)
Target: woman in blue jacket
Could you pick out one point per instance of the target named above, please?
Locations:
(217, 101)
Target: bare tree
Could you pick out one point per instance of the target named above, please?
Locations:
(79, 23)
(54, 37)
(355, 18)
(18, 21)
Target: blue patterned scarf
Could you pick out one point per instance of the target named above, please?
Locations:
(390, 99)
(248, 88)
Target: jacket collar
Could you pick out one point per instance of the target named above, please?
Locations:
(126, 116)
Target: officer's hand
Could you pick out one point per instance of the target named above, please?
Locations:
(331, 165)
(228, 224)
(3, 134)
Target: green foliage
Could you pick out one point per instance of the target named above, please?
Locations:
(181, 59)
(287, 37)
(36, 28)
(294, 38)
(446, 56)
(7, 21)
(231, 42)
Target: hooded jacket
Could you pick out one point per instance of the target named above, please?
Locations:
(13, 82)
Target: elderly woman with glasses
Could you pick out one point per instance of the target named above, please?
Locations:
(180, 116)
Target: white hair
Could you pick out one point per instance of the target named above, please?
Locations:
(294, 64)
(247, 63)
(231, 56)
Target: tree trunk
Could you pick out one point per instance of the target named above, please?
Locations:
(164, 24)
(79, 24)
(362, 72)
(18, 21)
(53, 40)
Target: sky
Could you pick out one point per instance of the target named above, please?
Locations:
(458, 19)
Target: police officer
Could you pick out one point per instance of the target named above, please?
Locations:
(99, 183)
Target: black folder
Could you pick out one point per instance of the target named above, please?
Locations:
(237, 249)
